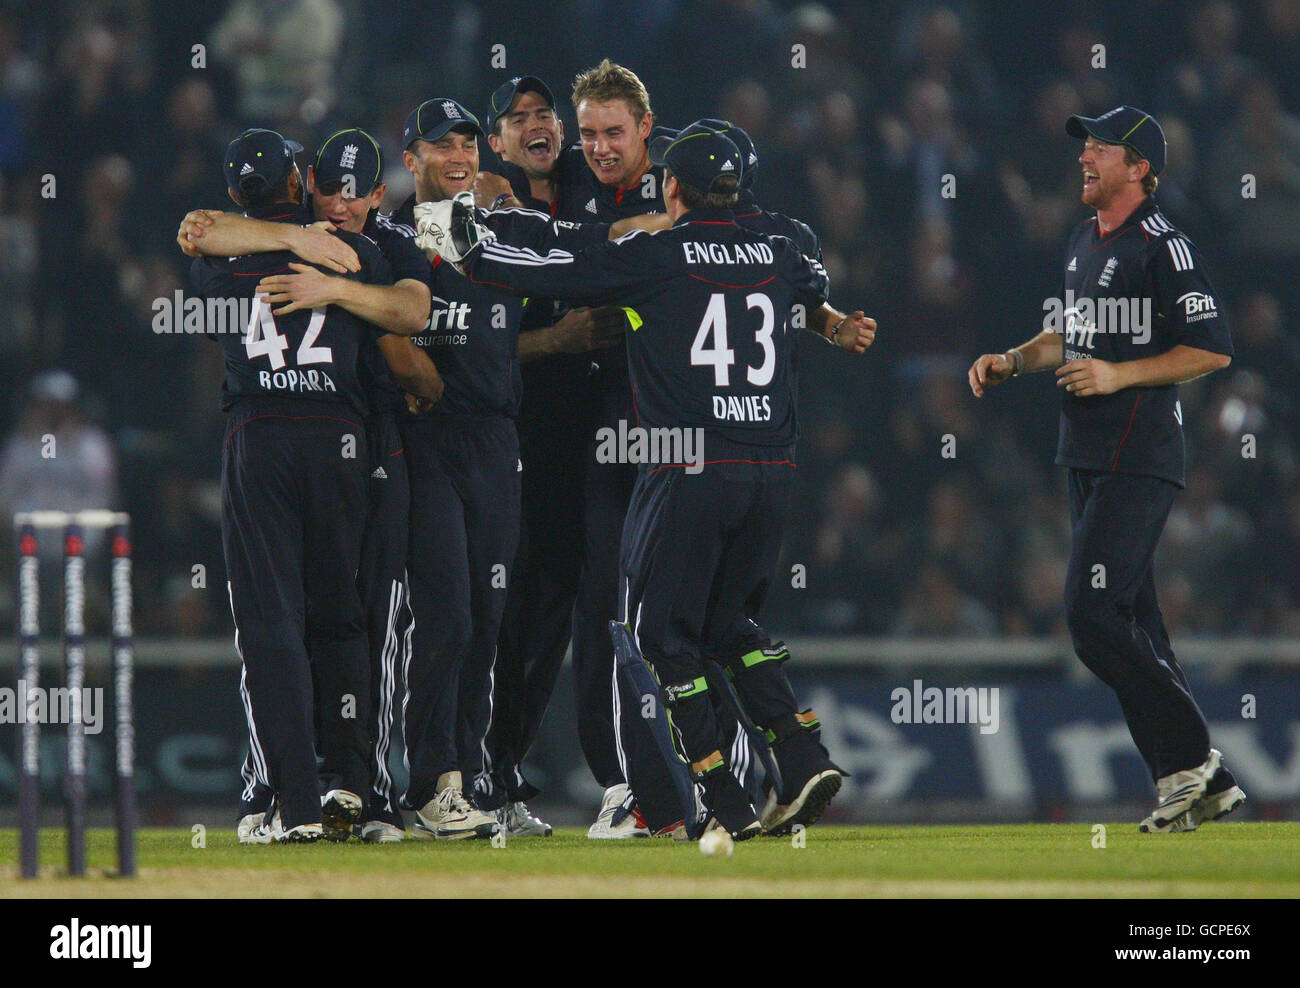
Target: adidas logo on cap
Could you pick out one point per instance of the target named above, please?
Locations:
(727, 166)
(246, 169)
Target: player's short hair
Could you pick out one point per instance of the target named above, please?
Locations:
(725, 194)
(1149, 180)
(610, 81)
(255, 193)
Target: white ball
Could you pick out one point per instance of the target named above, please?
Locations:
(717, 844)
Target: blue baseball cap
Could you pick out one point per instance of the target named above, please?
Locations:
(1125, 125)
(697, 155)
(503, 97)
(258, 153)
(744, 145)
(349, 152)
(434, 117)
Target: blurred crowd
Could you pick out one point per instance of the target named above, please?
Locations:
(924, 143)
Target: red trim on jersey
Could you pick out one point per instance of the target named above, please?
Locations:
(1131, 416)
(291, 418)
(758, 284)
(399, 452)
(437, 260)
(712, 222)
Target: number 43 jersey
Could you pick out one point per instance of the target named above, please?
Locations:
(708, 305)
(1136, 292)
(310, 354)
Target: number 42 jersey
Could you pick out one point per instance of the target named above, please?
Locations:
(310, 354)
(707, 303)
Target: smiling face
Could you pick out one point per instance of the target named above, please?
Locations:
(329, 203)
(443, 167)
(613, 141)
(531, 135)
(1106, 176)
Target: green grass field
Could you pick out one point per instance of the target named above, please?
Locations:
(1255, 860)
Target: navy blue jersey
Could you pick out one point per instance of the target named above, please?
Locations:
(707, 301)
(1137, 292)
(406, 261)
(753, 217)
(473, 331)
(584, 198)
(309, 354)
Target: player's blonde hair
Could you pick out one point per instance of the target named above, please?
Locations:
(1149, 180)
(610, 81)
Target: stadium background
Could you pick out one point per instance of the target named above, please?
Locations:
(917, 565)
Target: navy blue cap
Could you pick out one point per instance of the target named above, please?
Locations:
(259, 153)
(697, 155)
(743, 144)
(1125, 125)
(504, 96)
(434, 117)
(349, 152)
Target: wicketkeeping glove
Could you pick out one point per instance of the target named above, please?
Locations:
(450, 228)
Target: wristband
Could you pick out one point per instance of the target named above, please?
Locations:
(1017, 360)
(834, 338)
(496, 203)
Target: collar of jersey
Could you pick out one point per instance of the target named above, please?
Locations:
(707, 216)
(1144, 209)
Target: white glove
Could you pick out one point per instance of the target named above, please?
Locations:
(450, 228)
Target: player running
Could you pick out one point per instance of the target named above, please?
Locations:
(706, 352)
(1139, 318)
(293, 499)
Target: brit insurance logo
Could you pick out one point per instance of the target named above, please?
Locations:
(1198, 306)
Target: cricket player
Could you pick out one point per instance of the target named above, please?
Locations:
(465, 484)
(1138, 317)
(344, 193)
(557, 417)
(708, 350)
(293, 501)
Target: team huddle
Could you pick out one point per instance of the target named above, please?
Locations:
(427, 475)
(431, 512)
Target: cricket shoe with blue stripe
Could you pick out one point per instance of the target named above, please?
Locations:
(249, 830)
(1178, 793)
(450, 816)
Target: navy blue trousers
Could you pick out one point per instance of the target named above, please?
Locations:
(1115, 620)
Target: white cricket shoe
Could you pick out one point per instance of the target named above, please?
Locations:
(340, 810)
(274, 832)
(249, 829)
(450, 816)
(1178, 793)
(630, 823)
(518, 821)
(381, 832)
